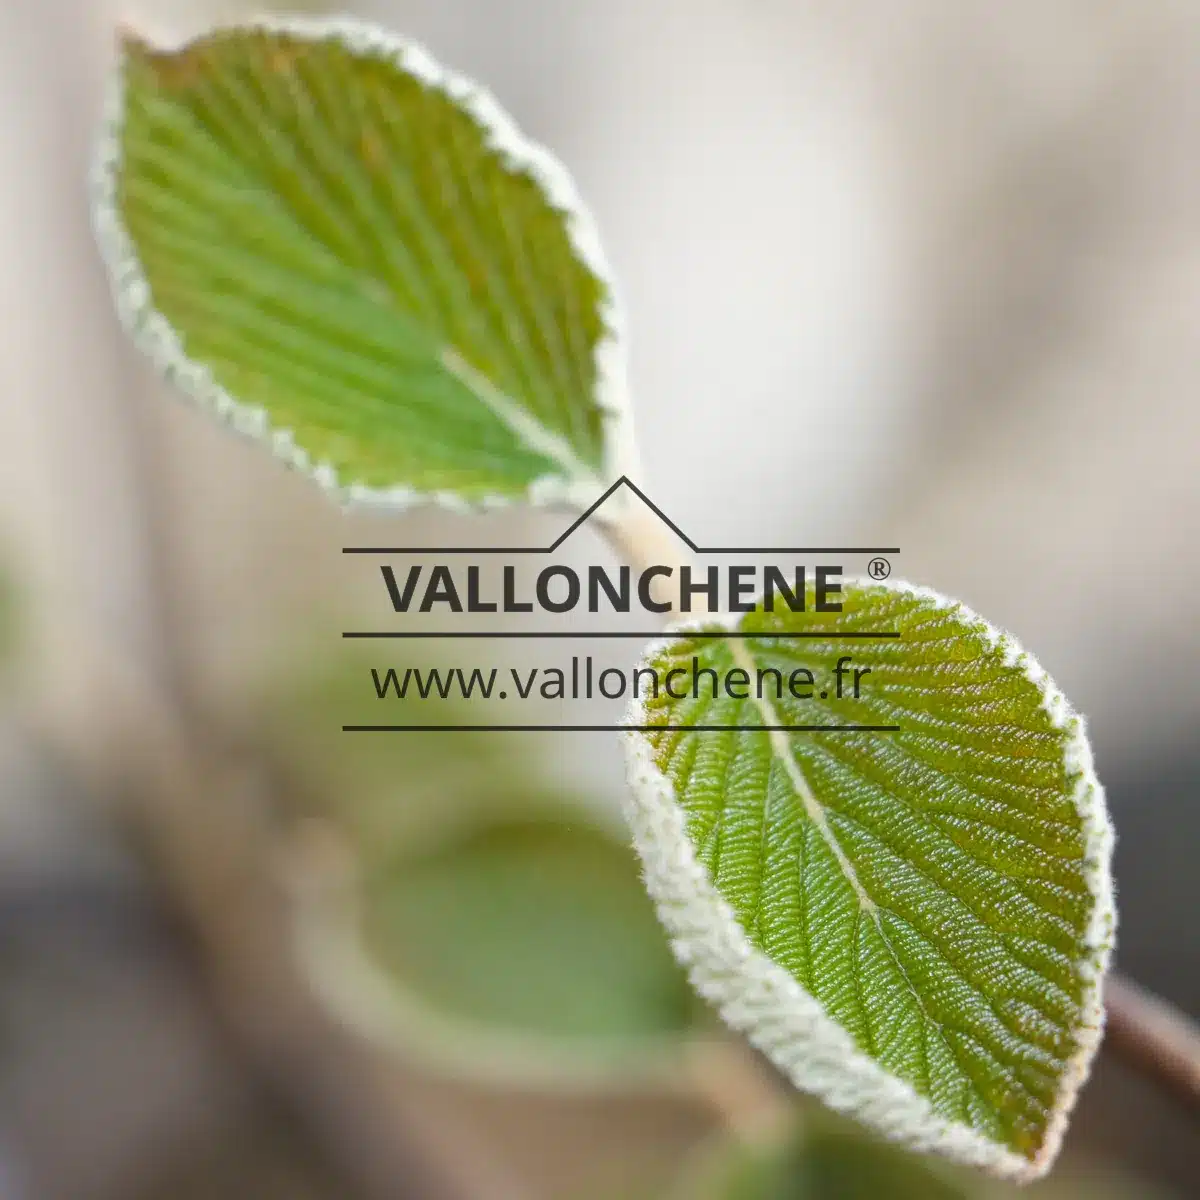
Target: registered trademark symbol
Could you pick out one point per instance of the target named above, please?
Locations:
(879, 568)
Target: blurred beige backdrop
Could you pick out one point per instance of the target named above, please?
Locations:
(920, 272)
(924, 273)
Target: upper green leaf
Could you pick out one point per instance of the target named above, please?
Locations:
(913, 924)
(333, 242)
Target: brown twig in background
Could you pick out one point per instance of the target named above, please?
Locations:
(1153, 1038)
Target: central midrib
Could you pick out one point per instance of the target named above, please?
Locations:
(812, 806)
(815, 811)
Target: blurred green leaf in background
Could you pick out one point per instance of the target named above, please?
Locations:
(538, 925)
(486, 918)
(823, 1159)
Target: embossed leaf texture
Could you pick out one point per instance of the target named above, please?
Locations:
(913, 924)
(342, 248)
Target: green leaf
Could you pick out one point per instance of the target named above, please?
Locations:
(490, 923)
(513, 944)
(531, 925)
(824, 1161)
(344, 249)
(913, 925)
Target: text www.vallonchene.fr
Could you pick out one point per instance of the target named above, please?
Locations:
(582, 681)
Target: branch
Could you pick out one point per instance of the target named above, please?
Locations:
(1153, 1038)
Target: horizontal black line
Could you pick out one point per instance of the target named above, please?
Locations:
(780, 550)
(445, 550)
(625, 481)
(608, 633)
(619, 728)
(797, 549)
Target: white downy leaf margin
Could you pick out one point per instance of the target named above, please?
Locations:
(760, 999)
(154, 335)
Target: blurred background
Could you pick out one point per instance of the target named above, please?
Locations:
(923, 272)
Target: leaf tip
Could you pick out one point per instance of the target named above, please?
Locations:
(128, 39)
(133, 48)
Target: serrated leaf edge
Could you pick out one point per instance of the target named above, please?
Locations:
(154, 335)
(760, 999)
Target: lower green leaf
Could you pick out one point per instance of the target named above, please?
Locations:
(910, 913)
